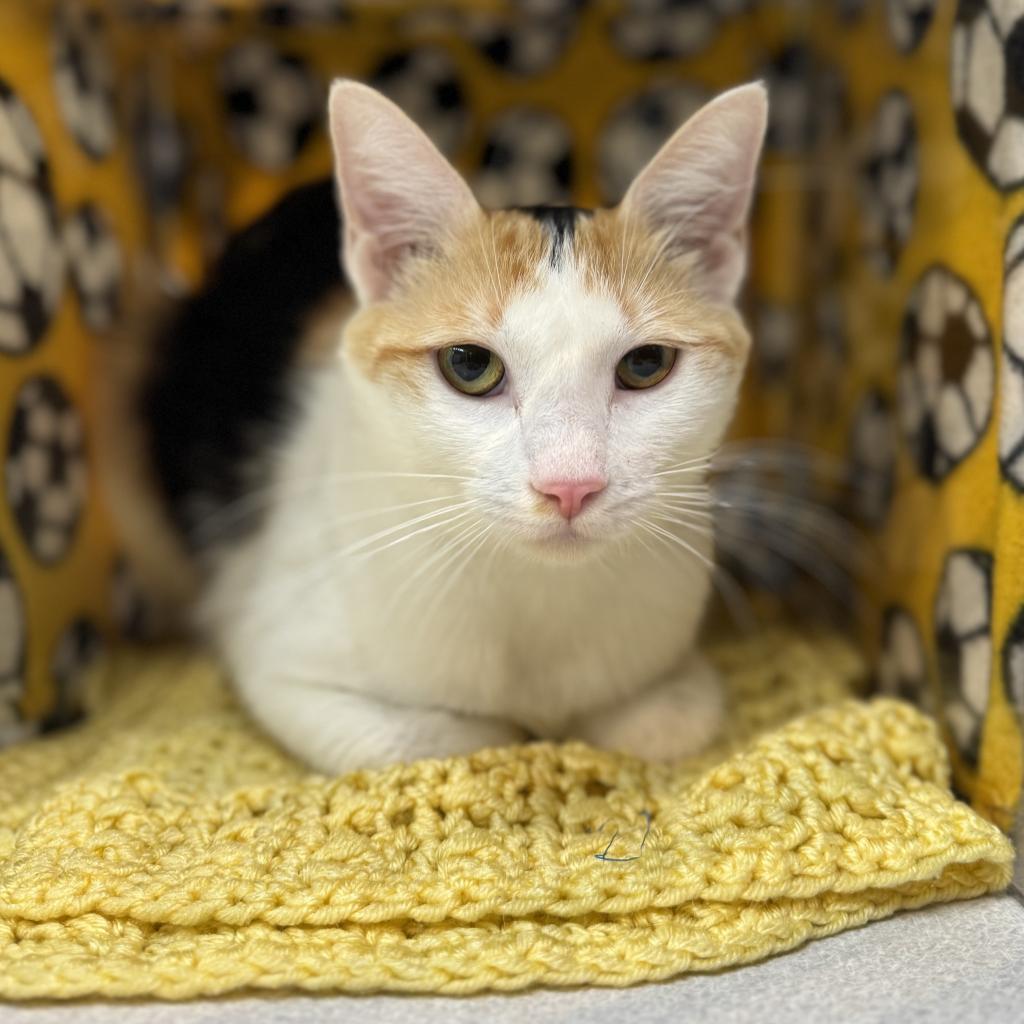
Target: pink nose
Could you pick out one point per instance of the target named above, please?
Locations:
(570, 494)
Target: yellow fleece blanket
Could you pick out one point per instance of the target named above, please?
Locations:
(166, 848)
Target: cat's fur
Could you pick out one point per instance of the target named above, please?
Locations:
(472, 613)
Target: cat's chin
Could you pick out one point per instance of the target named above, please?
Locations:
(567, 544)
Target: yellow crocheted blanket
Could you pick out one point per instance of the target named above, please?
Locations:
(167, 849)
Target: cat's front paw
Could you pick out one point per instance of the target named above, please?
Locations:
(672, 720)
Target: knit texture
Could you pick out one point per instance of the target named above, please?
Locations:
(166, 848)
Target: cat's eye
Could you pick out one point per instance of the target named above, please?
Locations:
(471, 369)
(644, 367)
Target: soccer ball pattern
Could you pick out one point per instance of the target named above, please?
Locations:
(288, 13)
(12, 654)
(636, 129)
(963, 642)
(273, 102)
(193, 13)
(792, 106)
(850, 10)
(987, 76)
(1013, 663)
(776, 334)
(743, 521)
(425, 83)
(45, 472)
(94, 266)
(946, 373)
(83, 77)
(902, 668)
(889, 181)
(670, 29)
(161, 149)
(908, 21)
(31, 266)
(1011, 426)
(530, 39)
(129, 609)
(527, 160)
(872, 458)
(77, 648)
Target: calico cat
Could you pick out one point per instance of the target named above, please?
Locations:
(469, 508)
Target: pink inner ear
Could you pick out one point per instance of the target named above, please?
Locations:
(723, 264)
(698, 187)
(398, 193)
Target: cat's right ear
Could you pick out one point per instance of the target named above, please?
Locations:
(697, 190)
(399, 195)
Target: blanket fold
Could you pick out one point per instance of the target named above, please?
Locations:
(166, 848)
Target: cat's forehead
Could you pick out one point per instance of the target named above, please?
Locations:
(559, 224)
(552, 279)
(566, 304)
(539, 251)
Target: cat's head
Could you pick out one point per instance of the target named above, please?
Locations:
(574, 367)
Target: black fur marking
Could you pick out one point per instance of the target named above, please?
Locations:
(560, 222)
(218, 394)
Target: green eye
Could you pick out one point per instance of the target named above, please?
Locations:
(471, 369)
(644, 367)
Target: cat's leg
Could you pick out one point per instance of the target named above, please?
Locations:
(337, 731)
(676, 718)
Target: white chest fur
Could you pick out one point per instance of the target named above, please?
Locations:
(447, 618)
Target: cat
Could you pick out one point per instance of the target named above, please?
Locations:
(469, 507)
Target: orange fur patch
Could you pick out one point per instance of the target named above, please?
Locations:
(460, 293)
(658, 294)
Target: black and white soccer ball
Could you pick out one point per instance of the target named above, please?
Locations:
(130, 611)
(31, 257)
(909, 21)
(12, 655)
(528, 37)
(1011, 388)
(1013, 663)
(304, 13)
(946, 372)
(776, 338)
(963, 642)
(425, 83)
(637, 128)
(670, 29)
(78, 646)
(745, 526)
(162, 149)
(871, 458)
(45, 471)
(192, 14)
(792, 104)
(849, 10)
(987, 82)
(94, 265)
(83, 77)
(776, 527)
(889, 181)
(527, 160)
(902, 665)
(273, 101)
(821, 370)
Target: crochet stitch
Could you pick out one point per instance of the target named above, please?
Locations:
(166, 848)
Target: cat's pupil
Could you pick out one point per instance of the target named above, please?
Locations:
(645, 361)
(469, 361)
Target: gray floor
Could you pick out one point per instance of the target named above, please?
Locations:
(960, 963)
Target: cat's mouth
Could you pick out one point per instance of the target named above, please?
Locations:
(567, 540)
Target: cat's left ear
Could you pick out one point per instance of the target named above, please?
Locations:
(399, 196)
(698, 188)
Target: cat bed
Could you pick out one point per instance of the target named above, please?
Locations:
(166, 848)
